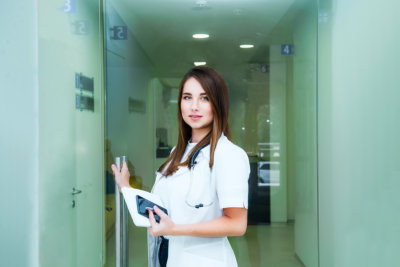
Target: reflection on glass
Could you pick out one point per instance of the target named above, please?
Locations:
(268, 173)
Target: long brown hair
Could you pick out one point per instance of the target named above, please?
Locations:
(217, 92)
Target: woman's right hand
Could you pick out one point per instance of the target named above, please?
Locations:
(166, 225)
(121, 177)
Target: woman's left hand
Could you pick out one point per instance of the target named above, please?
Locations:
(121, 177)
(166, 225)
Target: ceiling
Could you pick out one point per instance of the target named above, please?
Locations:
(164, 31)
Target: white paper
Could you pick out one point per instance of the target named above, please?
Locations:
(130, 200)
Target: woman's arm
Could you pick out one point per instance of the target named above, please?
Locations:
(232, 223)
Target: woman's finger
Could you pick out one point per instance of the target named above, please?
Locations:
(114, 169)
(124, 166)
(159, 212)
(125, 170)
(151, 218)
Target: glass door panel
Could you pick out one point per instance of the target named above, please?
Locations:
(272, 82)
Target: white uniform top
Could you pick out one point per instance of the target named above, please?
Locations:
(223, 186)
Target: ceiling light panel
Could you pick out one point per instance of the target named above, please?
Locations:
(246, 46)
(201, 36)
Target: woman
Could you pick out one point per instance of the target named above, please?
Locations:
(203, 183)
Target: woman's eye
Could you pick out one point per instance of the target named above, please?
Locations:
(204, 98)
(186, 97)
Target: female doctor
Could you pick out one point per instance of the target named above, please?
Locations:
(203, 183)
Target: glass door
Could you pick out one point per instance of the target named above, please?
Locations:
(266, 51)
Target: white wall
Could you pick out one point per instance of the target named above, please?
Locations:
(33, 58)
(19, 133)
(358, 124)
(70, 140)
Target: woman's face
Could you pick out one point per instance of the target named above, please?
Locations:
(196, 108)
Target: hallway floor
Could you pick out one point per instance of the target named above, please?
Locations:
(264, 245)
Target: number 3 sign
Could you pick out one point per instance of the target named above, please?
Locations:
(69, 6)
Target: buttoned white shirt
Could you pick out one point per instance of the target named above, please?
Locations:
(225, 185)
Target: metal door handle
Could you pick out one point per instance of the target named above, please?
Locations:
(121, 223)
(76, 191)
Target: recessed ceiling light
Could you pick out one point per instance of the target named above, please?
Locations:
(246, 46)
(200, 36)
(201, 3)
(199, 63)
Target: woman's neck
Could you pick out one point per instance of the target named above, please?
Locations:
(199, 134)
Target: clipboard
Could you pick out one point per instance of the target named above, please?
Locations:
(139, 202)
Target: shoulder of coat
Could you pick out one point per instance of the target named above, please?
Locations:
(226, 148)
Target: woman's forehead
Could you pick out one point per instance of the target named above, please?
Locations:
(193, 86)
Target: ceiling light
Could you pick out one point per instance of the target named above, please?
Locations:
(200, 36)
(201, 3)
(199, 63)
(246, 46)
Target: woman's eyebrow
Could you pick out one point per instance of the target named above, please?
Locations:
(186, 93)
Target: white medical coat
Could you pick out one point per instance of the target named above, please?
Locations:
(225, 185)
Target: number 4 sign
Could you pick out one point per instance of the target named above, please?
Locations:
(286, 49)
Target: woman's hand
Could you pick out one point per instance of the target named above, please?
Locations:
(166, 225)
(121, 177)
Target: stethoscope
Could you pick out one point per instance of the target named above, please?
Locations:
(191, 167)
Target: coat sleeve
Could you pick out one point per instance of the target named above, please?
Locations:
(231, 169)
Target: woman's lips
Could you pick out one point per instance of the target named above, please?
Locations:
(195, 117)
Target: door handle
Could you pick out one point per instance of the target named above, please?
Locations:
(76, 191)
(121, 223)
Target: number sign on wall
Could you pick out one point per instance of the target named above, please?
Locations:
(119, 33)
(69, 6)
(286, 49)
(81, 27)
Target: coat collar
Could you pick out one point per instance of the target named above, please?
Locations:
(206, 150)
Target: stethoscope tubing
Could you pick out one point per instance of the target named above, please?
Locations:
(191, 166)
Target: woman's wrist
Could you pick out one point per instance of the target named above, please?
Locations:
(175, 230)
(180, 229)
(125, 185)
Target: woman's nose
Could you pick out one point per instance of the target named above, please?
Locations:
(195, 105)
